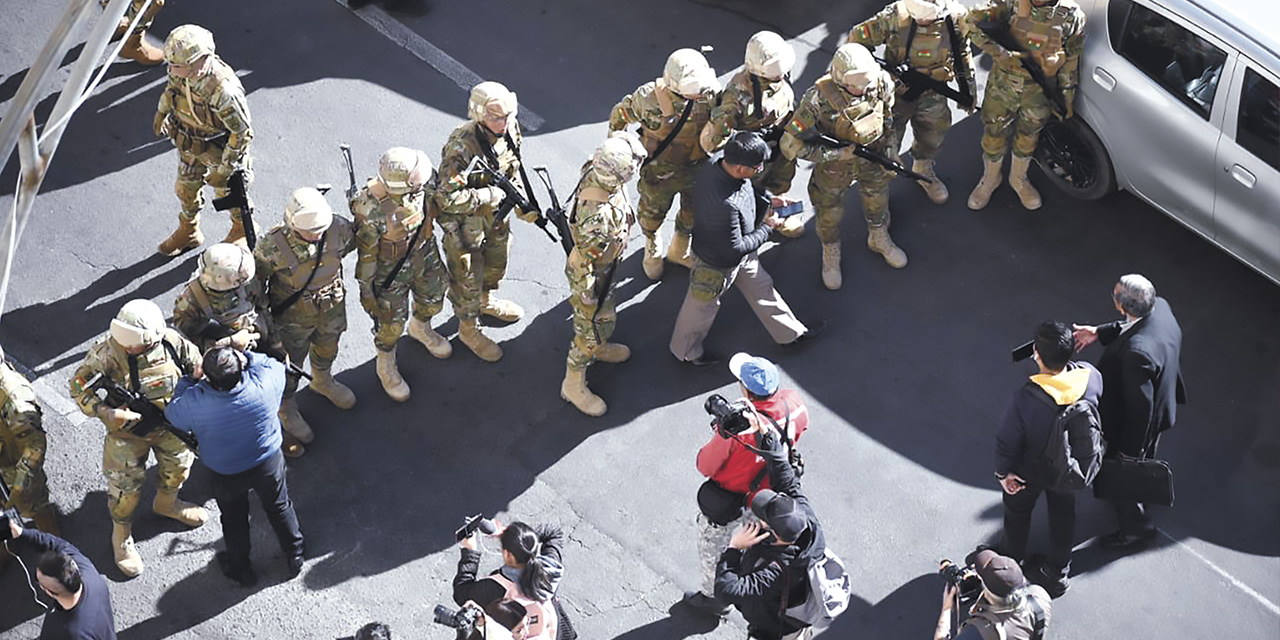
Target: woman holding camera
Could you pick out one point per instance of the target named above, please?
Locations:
(521, 593)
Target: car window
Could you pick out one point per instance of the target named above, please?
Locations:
(1184, 64)
(1258, 127)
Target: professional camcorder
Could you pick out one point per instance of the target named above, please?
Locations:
(464, 619)
(475, 523)
(729, 418)
(966, 579)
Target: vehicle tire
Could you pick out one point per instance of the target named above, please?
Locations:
(1071, 156)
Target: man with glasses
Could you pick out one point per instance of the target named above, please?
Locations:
(82, 606)
(731, 220)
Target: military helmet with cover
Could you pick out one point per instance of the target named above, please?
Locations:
(769, 56)
(491, 99)
(403, 170)
(187, 43)
(925, 10)
(225, 266)
(139, 323)
(308, 211)
(616, 159)
(854, 67)
(689, 74)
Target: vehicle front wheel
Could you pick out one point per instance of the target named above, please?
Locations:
(1072, 157)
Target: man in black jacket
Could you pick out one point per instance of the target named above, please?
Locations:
(1144, 386)
(82, 606)
(1029, 421)
(765, 569)
(730, 223)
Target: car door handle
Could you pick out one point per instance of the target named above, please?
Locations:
(1104, 79)
(1242, 175)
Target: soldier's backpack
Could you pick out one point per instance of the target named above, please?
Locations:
(1073, 453)
(829, 592)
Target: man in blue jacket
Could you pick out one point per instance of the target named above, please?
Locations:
(232, 413)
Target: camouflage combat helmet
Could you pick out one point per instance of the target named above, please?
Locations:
(925, 10)
(308, 211)
(403, 170)
(854, 67)
(225, 266)
(491, 100)
(688, 74)
(617, 158)
(769, 56)
(187, 43)
(139, 323)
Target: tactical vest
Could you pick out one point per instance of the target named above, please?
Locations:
(1041, 33)
(192, 100)
(930, 49)
(1013, 624)
(503, 152)
(397, 220)
(325, 287)
(158, 373)
(857, 118)
(16, 397)
(540, 619)
(684, 148)
(233, 308)
(617, 202)
(775, 103)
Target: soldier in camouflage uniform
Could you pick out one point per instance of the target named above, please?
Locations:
(22, 448)
(1051, 32)
(601, 219)
(688, 85)
(476, 244)
(852, 103)
(142, 354)
(926, 34)
(395, 239)
(759, 98)
(136, 47)
(203, 110)
(299, 264)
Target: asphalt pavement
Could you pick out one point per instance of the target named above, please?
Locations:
(905, 386)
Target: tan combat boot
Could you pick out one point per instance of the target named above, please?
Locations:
(991, 178)
(936, 190)
(831, 278)
(499, 309)
(652, 255)
(792, 226)
(1021, 185)
(878, 240)
(389, 374)
(435, 343)
(168, 505)
(613, 352)
(137, 49)
(126, 554)
(235, 235)
(323, 383)
(187, 236)
(678, 250)
(574, 390)
(479, 344)
(293, 422)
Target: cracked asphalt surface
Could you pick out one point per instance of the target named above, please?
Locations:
(905, 387)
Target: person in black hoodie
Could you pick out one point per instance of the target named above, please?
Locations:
(765, 569)
(1028, 422)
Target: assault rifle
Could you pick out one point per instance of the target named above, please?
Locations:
(118, 397)
(1000, 35)
(351, 171)
(239, 199)
(862, 151)
(557, 213)
(918, 82)
(514, 197)
(214, 330)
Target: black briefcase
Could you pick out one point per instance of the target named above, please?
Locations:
(1126, 479)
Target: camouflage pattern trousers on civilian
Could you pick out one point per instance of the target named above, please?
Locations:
(701, 304)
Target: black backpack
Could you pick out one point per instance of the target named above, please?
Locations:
(1073, 453)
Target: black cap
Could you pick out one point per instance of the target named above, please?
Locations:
(781, 513)
(746, 149)
(1000, 574)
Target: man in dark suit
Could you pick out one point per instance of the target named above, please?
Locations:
(1143, 386)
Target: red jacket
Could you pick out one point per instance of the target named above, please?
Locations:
(733, 466)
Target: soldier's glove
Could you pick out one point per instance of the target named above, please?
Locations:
(1069, 97)
(490, 196)
(846, 154)
(117, 419)
(528, 216)
(240, 340)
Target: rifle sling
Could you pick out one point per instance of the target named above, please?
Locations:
(666, 142)
(756, 95)
(296, 295)
(524, 177)
(911, 37)
(386, 282)
(962, 77)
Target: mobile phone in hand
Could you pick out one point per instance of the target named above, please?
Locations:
(789, 210)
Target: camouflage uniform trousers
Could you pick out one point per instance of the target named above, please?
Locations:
(828, 184)
(124, 461)
(930, 117)
(1012, 97)
(306, 329)
(590, 329)
(713, 539)
(198, 165)
(476, 250)
(659, 183)
(30, 493)
(423, 275)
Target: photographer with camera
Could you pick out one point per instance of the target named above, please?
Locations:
(734, 469)
(526, 583)
(1009, 607)
(764, 572)
(83, 602)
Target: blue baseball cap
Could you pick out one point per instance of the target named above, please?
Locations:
(758, 375)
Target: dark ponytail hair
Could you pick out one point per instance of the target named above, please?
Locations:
(525, 544)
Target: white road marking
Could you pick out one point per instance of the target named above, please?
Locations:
(1271, 606)
(396, 32)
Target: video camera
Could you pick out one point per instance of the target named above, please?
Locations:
(464, 620)
(475, 523)
(966, 579)
(729, 418)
